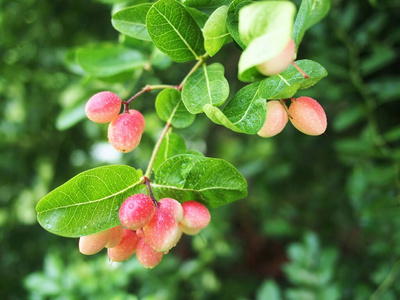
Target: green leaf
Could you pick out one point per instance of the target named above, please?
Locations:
(70, 116)
(269, 290)
(215, 32)
(190, 177)
(286, 84)
(265, 28)
(89, 202)
(172, 144)
(205, 86)
(174, 31)
(232, 20)
(206, 3)
(245, 113)
(103, 60)
(200, 17)
(310, 13)
(131, 21)
(169, 107)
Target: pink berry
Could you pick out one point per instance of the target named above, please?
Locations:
(195, 217)
(103, 107)
(275, 121)
(140, 232)
(279, 63)
(162, 232)
(125, 132)
(93, 243)
(115, 236)
(136, 211)
(147, 256)
(126, 247)
(308, 116)
(173, 207)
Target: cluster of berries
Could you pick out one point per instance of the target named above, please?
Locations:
(125, 130)
(305, 113)
(150, 229)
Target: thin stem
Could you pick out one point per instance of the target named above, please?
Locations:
(195, 67)
(285, 108)
(147, 182)
(300, 70)
(155, 150)
(387, 282)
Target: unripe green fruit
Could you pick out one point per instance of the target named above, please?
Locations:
(103, 107)
(115, 236)
(195, 217)
(147, 256)
(91, 244)
(125, 132)
(162, 232)
(173, 207)
(126, 247)
(275, 121)
(279, 63)
(136, 211)
(308, 116)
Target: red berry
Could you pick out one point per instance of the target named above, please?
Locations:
(162, 232)
(115, 236)
(173, 207)
(308, 116)
(103, 107)
(126, 247)
(93, 243)
(136, 211)
(275, 121)
(125, 132)
(195, 217)
(279, 63)
(147, 256)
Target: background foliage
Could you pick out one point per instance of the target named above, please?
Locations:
(321, 220)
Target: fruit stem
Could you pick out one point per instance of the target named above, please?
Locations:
(282, 101)
(147, 182)
(202, 59)
(155, 150)
(147, 88)
(300, 70)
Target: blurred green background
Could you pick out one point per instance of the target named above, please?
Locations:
(322, 219)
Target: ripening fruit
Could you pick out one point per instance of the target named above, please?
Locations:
(279, 63)
(308, 116)
(125, 132)
(115, 236)
(162, 232)
(126, 247)
(195, 217)
(275, 121)
(93, 243)
(173, 207)
(136, 211)
(103, 107)
(147, 256)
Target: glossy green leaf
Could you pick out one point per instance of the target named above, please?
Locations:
(89, 202)
(174, 31)
(232, 20)
(212, 181)
(172, 144)
(131, 21)
(200, 17)
(106, 60)
(310, 13)
(205, 86)
(286, 84)
(245, 113)
(265, 28)
(205, 3)
(170, 108)
(215, 31)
